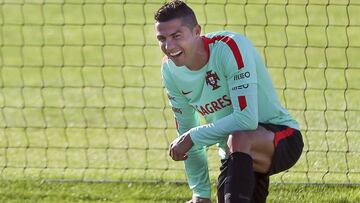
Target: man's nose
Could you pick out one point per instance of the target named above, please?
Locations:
(169, 44)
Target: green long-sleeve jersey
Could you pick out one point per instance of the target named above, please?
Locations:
(233, 92)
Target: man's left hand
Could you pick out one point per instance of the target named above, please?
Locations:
(180, 146)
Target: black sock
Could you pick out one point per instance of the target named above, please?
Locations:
(239, 184)
(261, 189)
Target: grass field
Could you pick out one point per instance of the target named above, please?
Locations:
(20, 191)
(81, 95)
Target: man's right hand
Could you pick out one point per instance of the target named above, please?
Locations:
(199, 200)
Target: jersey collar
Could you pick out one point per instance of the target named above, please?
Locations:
(206, 46)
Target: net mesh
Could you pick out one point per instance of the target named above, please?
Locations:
(81, 94)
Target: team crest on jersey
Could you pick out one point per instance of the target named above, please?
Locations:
(212, 79)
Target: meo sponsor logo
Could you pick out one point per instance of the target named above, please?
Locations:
(242, 76)
(244, 86)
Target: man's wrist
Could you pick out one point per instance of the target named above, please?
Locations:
(188, 140)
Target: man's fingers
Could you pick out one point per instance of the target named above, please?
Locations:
(170, 150)
(170, 153)
(180, 157)
(179, 147)
(184, 157)
(176, 151)
(175, 155)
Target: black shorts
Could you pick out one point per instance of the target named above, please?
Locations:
(288, 144)
(288, 148)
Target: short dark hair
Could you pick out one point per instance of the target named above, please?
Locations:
(176, 9)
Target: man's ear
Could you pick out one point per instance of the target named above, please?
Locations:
(197, 29)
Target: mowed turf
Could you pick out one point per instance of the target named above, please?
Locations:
(81, 94)
(31, 191)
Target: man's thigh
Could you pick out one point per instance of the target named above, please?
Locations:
(259, 144)
(262, 148)
(275, 148)
(261, 151)
(288, 145)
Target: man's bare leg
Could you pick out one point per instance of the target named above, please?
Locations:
(249, 151)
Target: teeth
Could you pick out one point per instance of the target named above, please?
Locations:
(176, 53)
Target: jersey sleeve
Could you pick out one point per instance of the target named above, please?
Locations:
(196, 165)
(239, 67)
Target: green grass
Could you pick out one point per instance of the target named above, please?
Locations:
(31, 191)
(81, 94)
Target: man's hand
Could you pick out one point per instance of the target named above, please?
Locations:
(199, 200)
(180, 146)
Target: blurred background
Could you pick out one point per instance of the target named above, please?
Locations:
(81, 97)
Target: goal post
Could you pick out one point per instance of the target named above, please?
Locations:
(81, 96)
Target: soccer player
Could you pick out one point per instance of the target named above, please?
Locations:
(222, 77)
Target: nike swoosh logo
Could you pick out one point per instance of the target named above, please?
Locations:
(185, 93)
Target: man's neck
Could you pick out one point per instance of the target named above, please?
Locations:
(200, 57)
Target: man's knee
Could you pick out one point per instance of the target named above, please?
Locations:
(240, 141)
(257, 143)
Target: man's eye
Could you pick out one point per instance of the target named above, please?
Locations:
(177, 36)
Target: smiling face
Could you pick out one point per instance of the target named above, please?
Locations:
(178, 41)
